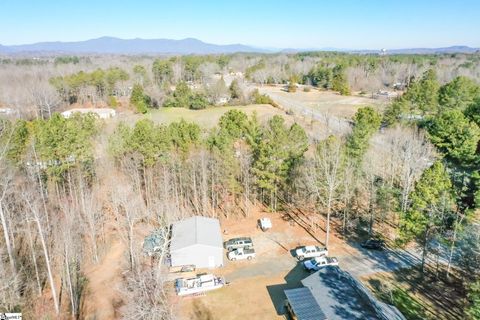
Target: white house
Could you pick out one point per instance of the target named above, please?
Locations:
(102, 113)
(198, 241)
(7, 111)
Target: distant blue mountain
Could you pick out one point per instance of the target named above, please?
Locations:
(4, 49)
(129, 46)
(112, 45)
(452, 49)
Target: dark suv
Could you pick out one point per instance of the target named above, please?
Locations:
(235, 243)
(374, 244)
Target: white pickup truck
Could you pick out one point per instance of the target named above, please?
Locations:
(317, 263)
(307, 252)
(241, 254)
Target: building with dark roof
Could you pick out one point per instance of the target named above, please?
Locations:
(303, 305)
(339, 296)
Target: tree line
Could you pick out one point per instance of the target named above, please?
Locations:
(344, 73)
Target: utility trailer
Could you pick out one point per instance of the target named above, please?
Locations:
(198, 284)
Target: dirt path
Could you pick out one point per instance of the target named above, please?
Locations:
(101, 294)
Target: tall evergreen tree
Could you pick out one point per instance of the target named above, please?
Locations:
(340, 81)
(431, 204)
(276, 152)
(366, 123)
(458, 93)
(454, 135)
(423, 94)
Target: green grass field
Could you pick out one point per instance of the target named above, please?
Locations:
(206, 118)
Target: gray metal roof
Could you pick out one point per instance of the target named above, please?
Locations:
(196, 230)
(304, 304)
(341, 296)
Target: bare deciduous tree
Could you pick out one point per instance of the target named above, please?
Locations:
(325, 173)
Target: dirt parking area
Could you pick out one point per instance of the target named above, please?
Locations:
(256, 287)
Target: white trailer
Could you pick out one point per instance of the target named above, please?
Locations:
(199, 284)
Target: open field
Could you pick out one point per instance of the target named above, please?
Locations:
(206, 118)
(325, 102)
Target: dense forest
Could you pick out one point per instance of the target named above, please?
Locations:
(410, 172)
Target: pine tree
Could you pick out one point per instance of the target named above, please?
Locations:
(431, 204)
(366, 123)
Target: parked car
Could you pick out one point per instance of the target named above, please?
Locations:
(319, 262)
(374, 244)
(241, 254)
(235, 243)
(310, 252)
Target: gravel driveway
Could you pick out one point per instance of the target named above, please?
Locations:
(368, 262)
(361, 262)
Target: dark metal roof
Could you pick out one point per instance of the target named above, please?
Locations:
(304, 305)
(341, 296)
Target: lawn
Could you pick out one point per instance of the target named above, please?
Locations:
(206, 118)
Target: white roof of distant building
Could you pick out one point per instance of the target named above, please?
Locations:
(196, 230)
(87, 110)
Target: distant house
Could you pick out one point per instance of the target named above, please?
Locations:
(385, 94)
(7, 111)
(334, 294)
(237, 74)
(411, 117)
(51, 163)
(102, 113)
(197, 241)
(222, 100)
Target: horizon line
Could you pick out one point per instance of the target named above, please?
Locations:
(270, 48)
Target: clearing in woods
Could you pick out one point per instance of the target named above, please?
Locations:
(325, 102)
(206, 118)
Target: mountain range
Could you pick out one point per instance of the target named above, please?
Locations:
(129, 46)
(111, 45)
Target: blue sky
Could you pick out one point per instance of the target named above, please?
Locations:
(347, 24)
